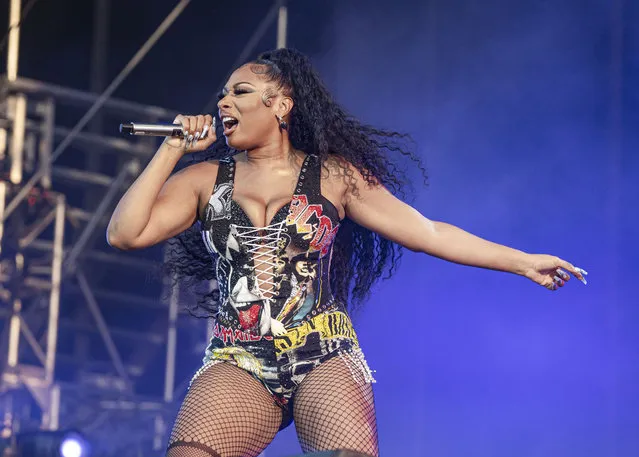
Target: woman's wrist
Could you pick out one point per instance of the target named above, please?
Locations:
(523, 264)
(174, 149)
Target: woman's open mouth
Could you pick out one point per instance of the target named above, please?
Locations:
(230, 124)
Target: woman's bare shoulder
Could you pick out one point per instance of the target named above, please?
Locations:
(205, 167)
(199, 177)
(337, 171)
(199, 172)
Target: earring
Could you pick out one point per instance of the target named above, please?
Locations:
(283, 124)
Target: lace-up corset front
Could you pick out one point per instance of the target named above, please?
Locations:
(275, 277)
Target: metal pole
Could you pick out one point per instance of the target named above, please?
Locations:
(53, 422)
(54, 296)
(3, 197)
(159, 428)
(101, 16)
(171, 349)
(14, 335)
(169, 376)
(7, 417)
(3, 143)
(282, 23)
(18, 110)
(13, 47)
(46, 141)
(14, 326)
(17, 104)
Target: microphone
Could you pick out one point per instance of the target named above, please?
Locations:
(134, 128)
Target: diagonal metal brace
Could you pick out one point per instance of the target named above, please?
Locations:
(94, 308)
(32, 341)
(71, 261)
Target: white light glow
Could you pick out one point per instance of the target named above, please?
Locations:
(71, 447)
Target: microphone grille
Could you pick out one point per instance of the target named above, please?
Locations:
(126, 128)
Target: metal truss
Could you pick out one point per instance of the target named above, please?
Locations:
(48, 254)
(46, 247)
(49, 260)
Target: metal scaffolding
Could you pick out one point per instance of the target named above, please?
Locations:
(48, 258)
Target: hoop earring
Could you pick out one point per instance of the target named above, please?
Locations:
(283, 124)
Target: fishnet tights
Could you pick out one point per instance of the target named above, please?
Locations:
(335, 411)
(226, 413)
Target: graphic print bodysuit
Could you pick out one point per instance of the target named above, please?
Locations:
(277, 317)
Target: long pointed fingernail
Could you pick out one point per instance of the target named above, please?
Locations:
(582, 271)
(205, 130)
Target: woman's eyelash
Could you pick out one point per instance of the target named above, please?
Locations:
(223, 94)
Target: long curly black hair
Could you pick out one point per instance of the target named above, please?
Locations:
(320, 126)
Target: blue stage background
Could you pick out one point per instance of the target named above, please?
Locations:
(512, 107)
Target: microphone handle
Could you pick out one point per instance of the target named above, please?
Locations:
(135, 128)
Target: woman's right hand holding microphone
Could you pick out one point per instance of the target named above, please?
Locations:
(199, 133)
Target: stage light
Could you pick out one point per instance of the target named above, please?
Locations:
(52, 444)
(73, 446)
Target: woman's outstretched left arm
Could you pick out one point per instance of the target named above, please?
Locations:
(375, 208)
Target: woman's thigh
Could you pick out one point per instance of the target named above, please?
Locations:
(226, 413)
(333, 410)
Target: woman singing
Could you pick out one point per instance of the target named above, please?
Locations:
(297, 219)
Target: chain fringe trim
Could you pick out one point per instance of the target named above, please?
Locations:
(356, 363)
(203, 368)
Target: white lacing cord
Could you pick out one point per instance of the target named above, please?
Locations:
(263, 244)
